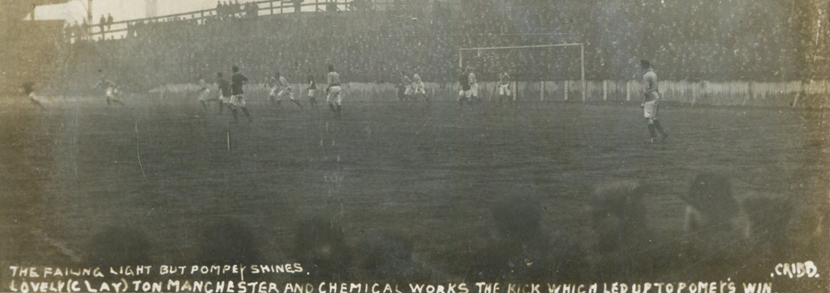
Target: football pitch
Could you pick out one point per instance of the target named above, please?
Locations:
(166, 182)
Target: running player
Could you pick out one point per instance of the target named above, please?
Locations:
(284, 89)
(312, 89)
(418, 89)
(651, 99)
(237, 95)
(110, 88)
(504, 89)
(29, 89)
(204, 94)
(334, 96)
(407, 84)
(224, 91)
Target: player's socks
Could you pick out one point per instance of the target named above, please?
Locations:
(204, 105)
(338, 111)
(663, 134)
(245, 111)
(108, 101)
(333, 109)
(298, 103)
(221, 107)
(235, 115)
(651, 132)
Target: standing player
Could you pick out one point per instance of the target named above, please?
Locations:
(29, 89)
(651, 99)
(224, 91)
(504, 89)
(271, 85)
(312, 89)
(464, 93)
(110, 88)
(334, 96)
(473, 85)
(407, 84)
(237, 95)
(418, 89)
(284, 89)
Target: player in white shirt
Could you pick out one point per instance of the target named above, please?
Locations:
(651, 100)
(271, 85)
(284, 89)
(204, 94)
(334, 97)
(111, 90)
(504, 89)
(407, 84)
(419, 89)
(473, 85)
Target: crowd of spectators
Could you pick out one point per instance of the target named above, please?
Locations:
(415, 36)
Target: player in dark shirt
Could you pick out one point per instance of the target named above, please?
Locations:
(312, 90)
(464, 94)
(237, 95)
(29, 89)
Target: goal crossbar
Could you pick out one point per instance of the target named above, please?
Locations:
(581, 58)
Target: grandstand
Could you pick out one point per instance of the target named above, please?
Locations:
(375, 43)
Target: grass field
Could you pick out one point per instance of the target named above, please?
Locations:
(155, 183)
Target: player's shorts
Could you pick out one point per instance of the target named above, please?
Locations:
(504, 90)
(238, 100)
(273, 91)
(312, 93)
(474, 89)
(204, 94)
(285, 92)
(420, 90)
(462, 94)
(408, 90)
(111, 92)
(650, 109)
(225, 99)
(335, 95)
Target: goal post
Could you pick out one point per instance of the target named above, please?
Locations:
(581, 60)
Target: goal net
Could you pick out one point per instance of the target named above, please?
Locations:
(540, 64)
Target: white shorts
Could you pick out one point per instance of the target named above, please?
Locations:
(650, 109)
(224, 99)
(474, 90)
(335, 95)
(463, 94)
(111, 92)
(238, 100)
(204, 94)
(285, 92)
(273, 91)
(408, 90)
(504, 90)
(312, 93)
(420, 90)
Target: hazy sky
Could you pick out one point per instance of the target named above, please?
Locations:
(75, 10)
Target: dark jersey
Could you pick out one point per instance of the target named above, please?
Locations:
(237, 80)
(225, 87)
(464, 80)
(28, 87)
(311, 84)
